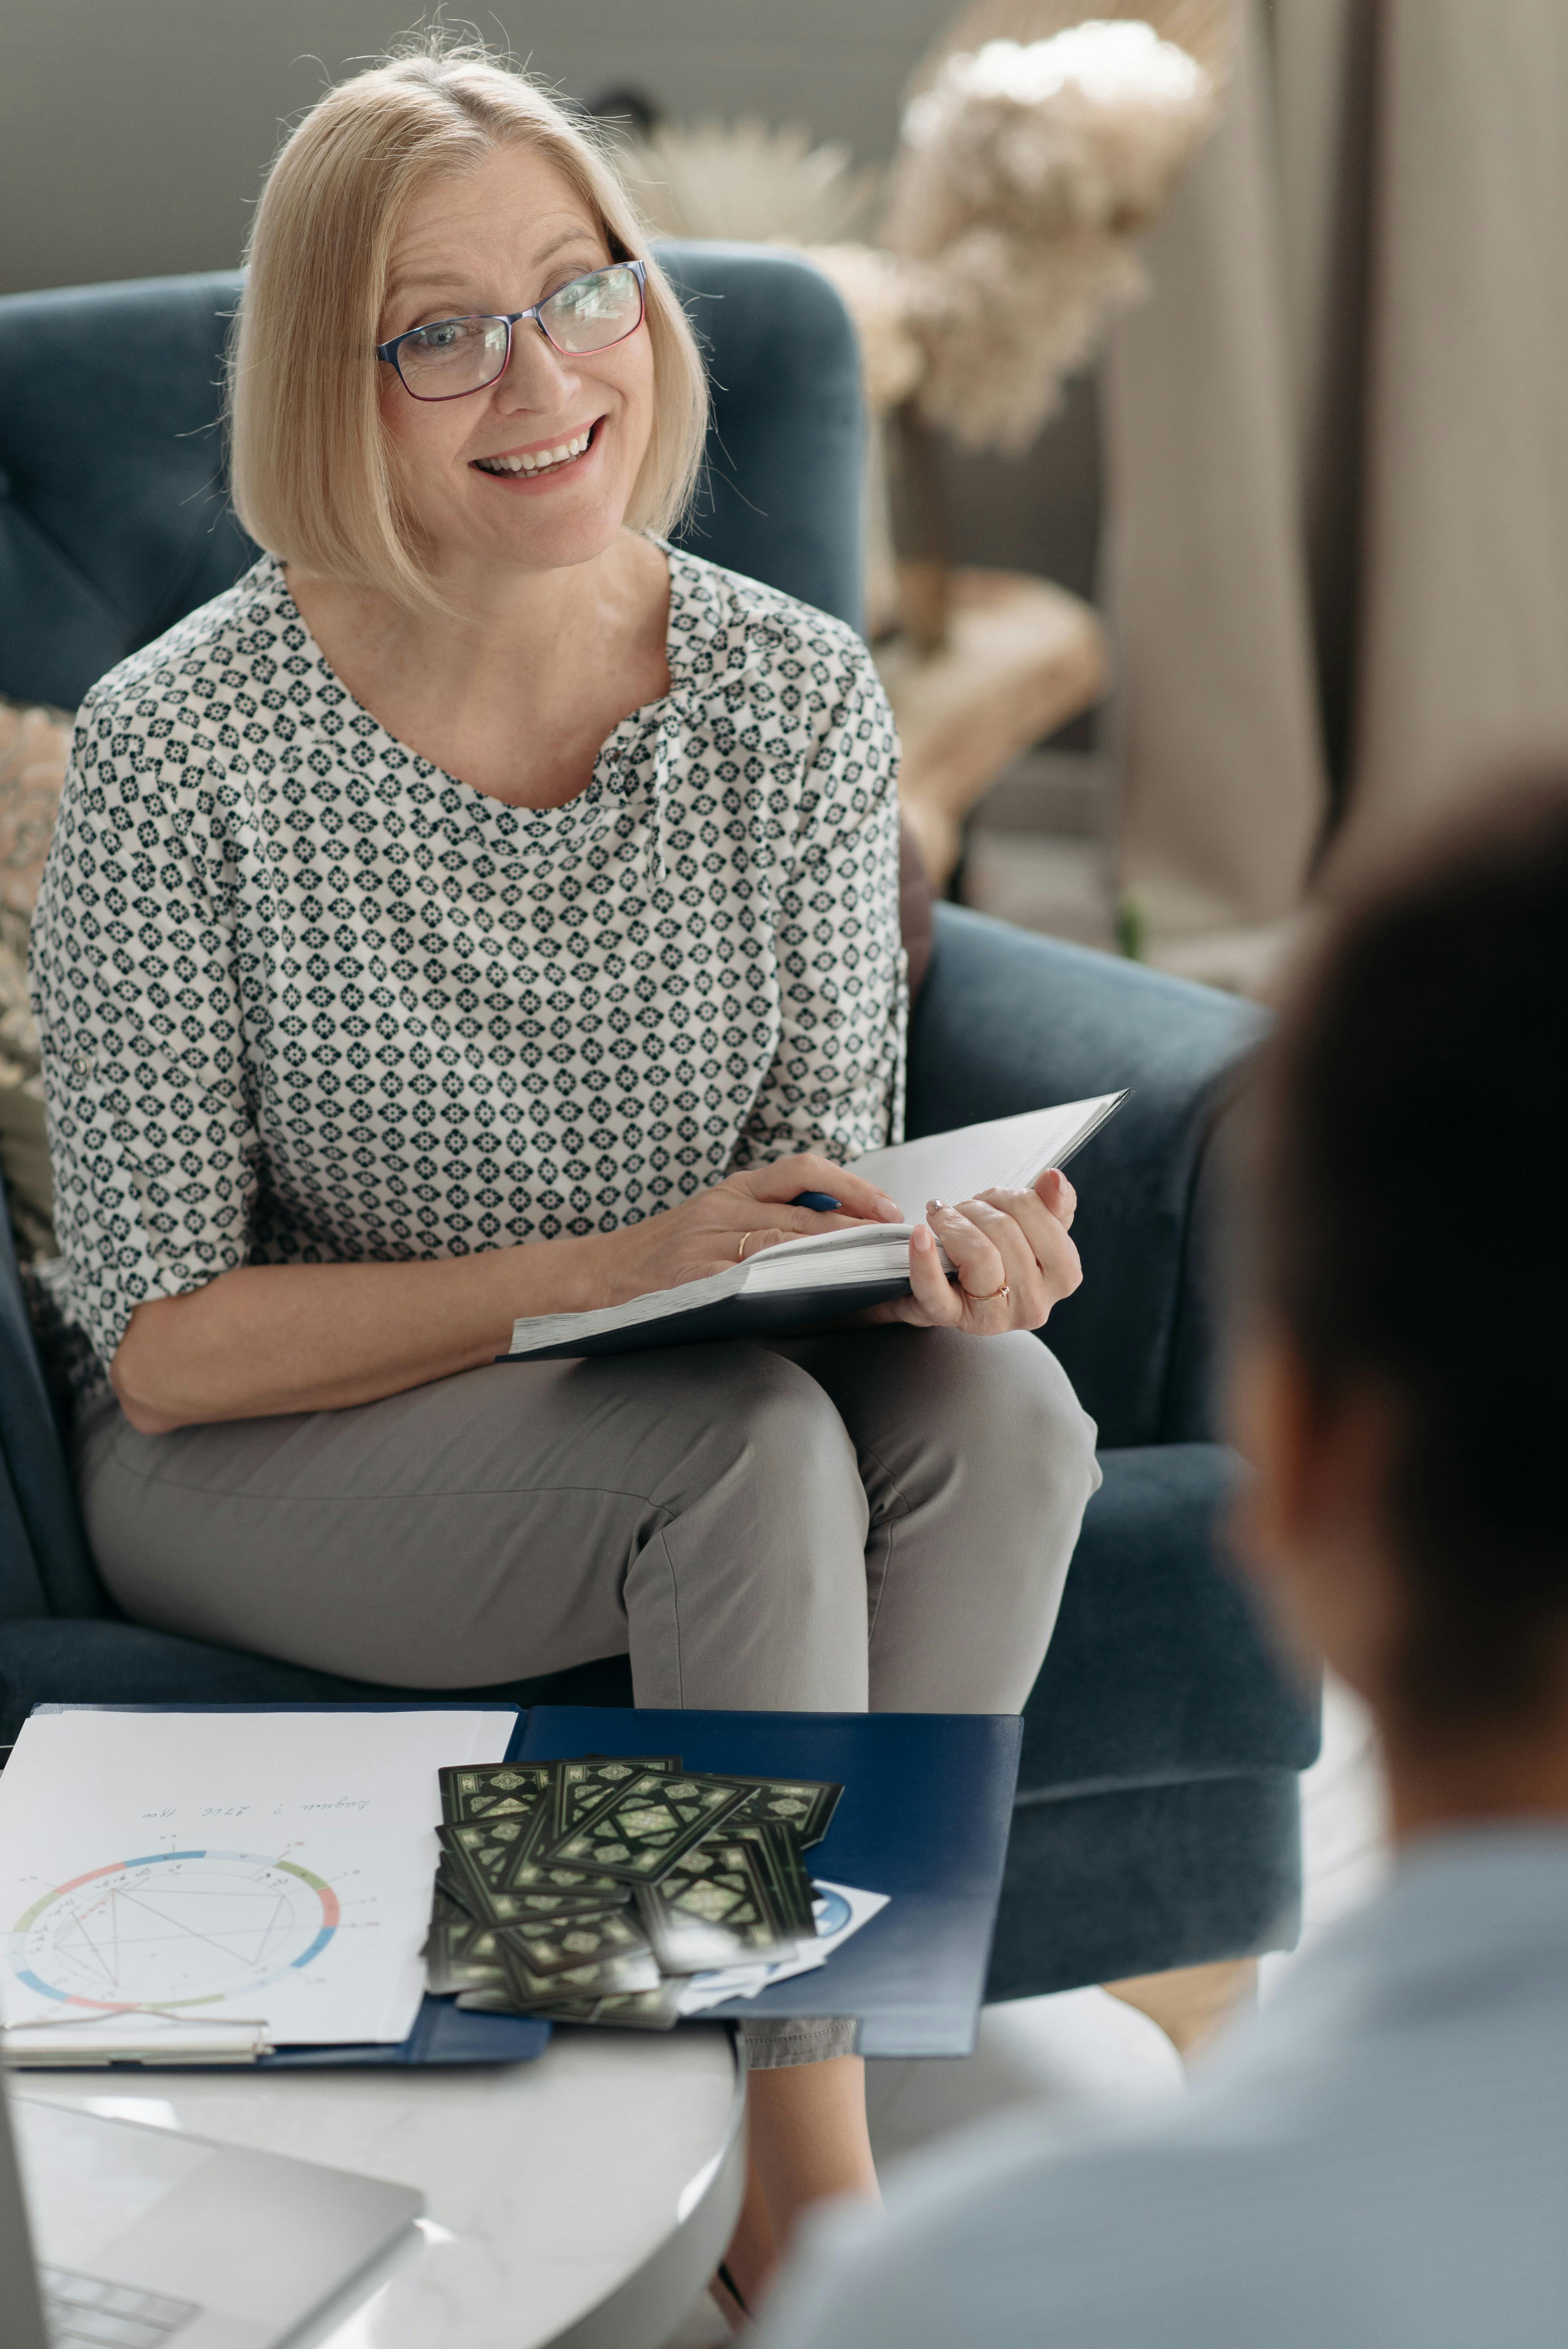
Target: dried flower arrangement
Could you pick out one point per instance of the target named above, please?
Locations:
(748, 181)
(1026, 168)
(1025, 171)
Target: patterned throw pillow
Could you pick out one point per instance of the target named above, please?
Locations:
(33, 745)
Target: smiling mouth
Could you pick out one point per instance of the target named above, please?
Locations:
(541, 461)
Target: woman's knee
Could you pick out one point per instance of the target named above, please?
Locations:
(753, 1591)
(760, 1420)
(1007, 1402)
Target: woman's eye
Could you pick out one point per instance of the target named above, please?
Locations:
(572, 276)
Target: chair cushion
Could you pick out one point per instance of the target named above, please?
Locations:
(1098, 1887)
(1160, 1669)
(51, 1662)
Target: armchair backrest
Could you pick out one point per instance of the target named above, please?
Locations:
(113, 520)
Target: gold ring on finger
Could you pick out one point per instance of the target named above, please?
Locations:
(1005, 1293)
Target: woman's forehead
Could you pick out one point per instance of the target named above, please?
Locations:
(514, 209)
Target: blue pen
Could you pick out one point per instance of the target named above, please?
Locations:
(818, 1199)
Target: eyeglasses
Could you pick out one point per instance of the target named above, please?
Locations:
(457, 355)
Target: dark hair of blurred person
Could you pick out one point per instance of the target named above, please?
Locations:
(1379, 2156)
(1410, 1313)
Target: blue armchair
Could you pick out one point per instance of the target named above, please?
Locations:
(1157, 1817)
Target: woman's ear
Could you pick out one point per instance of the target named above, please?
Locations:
(1310, 1523)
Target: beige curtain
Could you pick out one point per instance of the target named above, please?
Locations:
(1338, 454)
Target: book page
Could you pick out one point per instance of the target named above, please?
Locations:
(1006, 1153)
(225, 1869)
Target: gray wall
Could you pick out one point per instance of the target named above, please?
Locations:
(133, 133)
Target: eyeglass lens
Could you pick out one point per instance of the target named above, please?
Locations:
(459, 355)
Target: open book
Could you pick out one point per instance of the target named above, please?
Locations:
(819, 1277)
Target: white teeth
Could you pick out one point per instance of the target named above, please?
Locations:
(541, 461)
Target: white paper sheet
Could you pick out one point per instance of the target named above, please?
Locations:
(270, 1867)
(1004, 1154)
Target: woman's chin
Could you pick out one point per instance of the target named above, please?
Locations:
(536, 534)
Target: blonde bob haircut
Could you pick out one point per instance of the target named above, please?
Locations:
(313, 476)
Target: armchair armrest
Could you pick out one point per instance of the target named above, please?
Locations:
(1009, 1020)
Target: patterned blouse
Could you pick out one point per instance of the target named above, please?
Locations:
(304, 998)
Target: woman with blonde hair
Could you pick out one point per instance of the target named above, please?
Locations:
(486, 909)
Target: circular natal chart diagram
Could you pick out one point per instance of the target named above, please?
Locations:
(174, 1929)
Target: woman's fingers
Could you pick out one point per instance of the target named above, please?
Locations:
(1008, 1240)
(936, 1302)
(1057, 1195)
(752, 1242)
(1045, 1231)
(808, 1171)
(1028, 1300)
(982, 1272)
(786, 1223)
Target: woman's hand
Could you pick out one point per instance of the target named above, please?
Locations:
(1012, 1255)
(732, 1220)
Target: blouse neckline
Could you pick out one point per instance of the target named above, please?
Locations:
(630, 768)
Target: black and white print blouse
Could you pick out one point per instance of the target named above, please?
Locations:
(304, 998)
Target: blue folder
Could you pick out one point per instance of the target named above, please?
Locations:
(924, 1816)
(926, 1807)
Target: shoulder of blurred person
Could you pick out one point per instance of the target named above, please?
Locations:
(1379, 2158)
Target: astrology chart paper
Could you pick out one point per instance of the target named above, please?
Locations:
(229, 1867)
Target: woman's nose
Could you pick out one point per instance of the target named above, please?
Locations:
(537, 375)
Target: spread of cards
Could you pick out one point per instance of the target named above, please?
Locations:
(628, 1892)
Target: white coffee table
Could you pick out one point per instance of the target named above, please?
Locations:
(581, 2200)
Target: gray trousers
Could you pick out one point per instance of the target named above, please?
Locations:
(878, 1518)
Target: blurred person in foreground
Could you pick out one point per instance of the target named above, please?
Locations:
(1381, 2155)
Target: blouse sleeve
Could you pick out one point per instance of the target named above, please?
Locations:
(836, 1083)
(153, 1145)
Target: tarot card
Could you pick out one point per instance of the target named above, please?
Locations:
(531, 1873)
(444, 1910)
(581, 1788)
(490, 1998)
(633, 2010)
(552, 1945)
(572, 1904)
(788, 1888)
(637, 1835)
(453, 1888)
(462, 1957)
(478, 1893)
(633, 1970)
(807, 1804)
(710, 1909)
(484, 1846)
(502, 1789)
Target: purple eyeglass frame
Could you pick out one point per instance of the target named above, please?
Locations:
(511, 318)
